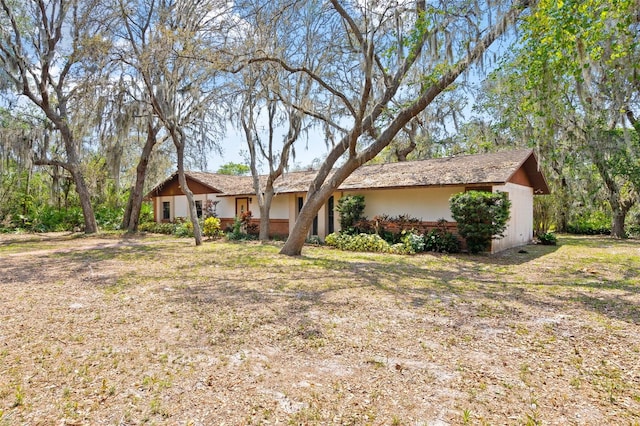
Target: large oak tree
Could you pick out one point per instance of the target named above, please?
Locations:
(51, 51)
(170, 45)
(386, 64)
(577, 68)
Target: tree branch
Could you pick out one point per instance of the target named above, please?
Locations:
(311, 74)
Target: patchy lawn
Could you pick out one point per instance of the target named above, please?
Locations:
(123, 331)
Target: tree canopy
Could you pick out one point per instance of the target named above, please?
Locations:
(234, 169)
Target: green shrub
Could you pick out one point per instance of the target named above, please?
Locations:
(237, 232)
(109, 218)
(146, 213)
(547, 239)
(441, 240)
(52, 219)
(350, 209)
(332, 240)
(157, 228)
(595, 222)
(481, 216)
(179, 228)
(634, 230)
(371, 243)
(397, 248)
(48, 218)
(391, 228)
(184, 229)
(314, 240)
(366, 242)
(211, 227)
(360, 242)
(413, 242)
(391, 237)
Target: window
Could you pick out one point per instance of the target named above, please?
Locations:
(166, 210)
(314, 228)
(330, 216)
(199, 208)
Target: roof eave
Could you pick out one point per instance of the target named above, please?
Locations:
(432, 185)
(154, 192)
(537, 179)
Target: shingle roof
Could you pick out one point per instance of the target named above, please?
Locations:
(227, 184)
(493, 168)
(218, 183)
(459, 170)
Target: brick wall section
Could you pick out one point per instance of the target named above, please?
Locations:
(423, 228)
(277, 227)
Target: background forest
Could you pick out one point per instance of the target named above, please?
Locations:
(103, 99)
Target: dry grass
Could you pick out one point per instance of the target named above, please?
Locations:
(153, 330)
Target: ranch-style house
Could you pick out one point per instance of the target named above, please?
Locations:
(420, 189)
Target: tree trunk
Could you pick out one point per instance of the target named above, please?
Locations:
(265, 211)
(264, 223)
(619, 207)
(55, 187)
(134, 204)
(565, 203)
(297, 237)
(315, 199)
(617, 224)
(182, 179)
(73, 164)
(126, 216)
(90, 224)
(619, 210)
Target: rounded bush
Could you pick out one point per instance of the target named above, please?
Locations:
(211, 227)
(481, 216)
(547, 239)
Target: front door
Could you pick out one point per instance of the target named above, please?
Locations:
(242, 206)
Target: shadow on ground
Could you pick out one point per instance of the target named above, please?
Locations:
(255, 279)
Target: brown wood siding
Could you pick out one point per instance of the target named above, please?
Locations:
(173, 188)
(277, 227)
(422, 227)
(520, 177)
(155, 209)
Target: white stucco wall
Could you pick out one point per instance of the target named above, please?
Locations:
(520, 227)
(159, 207)
(426, 204)
(226, 208)
(280, 207)
(180, 208)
